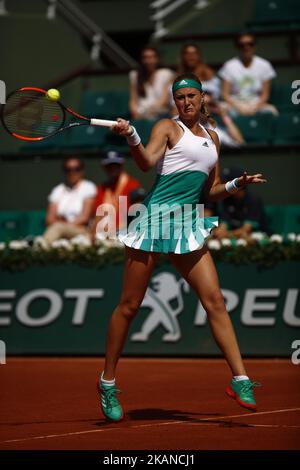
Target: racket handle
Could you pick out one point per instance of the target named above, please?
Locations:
(102, 123)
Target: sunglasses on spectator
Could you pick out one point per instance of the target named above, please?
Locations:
(246, 43)
(73, 169)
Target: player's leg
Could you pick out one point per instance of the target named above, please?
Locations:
(137, 272)
(199, 271)
(138, 268)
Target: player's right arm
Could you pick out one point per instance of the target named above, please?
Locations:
(147, 157)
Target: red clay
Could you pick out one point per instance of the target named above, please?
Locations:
(51, 403)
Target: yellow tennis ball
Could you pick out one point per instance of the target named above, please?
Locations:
(53, 94)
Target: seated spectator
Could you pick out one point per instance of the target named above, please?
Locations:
(228, 132)
(239, 214)
(149, 87)
(70, 204)
(247, 80)
(119, 183)
(191, 62)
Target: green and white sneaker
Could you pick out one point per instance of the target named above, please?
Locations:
(110, 405)
(242, 392)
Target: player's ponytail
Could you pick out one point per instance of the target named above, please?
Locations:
(205, 117)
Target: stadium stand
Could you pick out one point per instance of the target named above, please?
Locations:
(36, 222)
(256, 129)
(99, 104)
(105, 104)
(84, 137)
(98, 90)
(16, 225)
(13, 225)
(275, 13)
(287, 128)
(281, 97)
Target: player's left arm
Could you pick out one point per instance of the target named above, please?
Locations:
(214, 188)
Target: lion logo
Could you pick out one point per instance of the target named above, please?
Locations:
(165, 290)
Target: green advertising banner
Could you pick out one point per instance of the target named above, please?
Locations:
(66, 309)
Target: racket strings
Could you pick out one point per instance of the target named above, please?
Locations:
(31, 114)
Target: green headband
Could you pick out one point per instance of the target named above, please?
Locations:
(186, 83)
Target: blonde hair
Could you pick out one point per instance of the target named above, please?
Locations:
(205, 117)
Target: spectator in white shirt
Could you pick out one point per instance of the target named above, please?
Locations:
(247, 80)
(149, 87)
(71, 203)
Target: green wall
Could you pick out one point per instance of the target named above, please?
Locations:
(66, 309)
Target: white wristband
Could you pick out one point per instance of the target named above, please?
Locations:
(231, 186)
(133, 139)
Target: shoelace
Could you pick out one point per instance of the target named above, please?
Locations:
(110, 396)
(248, 386)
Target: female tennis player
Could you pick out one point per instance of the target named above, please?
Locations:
(186, 154)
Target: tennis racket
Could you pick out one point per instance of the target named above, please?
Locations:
(30, 115)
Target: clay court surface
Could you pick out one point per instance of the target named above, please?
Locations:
(51, 403)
